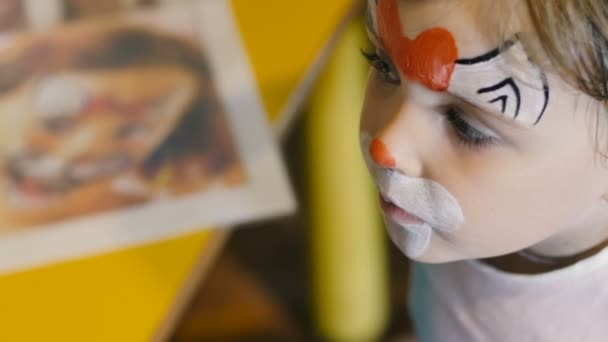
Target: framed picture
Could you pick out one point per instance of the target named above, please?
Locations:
(76, 9)
(122, 129)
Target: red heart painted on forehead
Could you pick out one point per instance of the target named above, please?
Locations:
(429, 58)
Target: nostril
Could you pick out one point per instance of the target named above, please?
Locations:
(380, 154)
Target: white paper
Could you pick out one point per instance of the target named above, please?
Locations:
(262, 191)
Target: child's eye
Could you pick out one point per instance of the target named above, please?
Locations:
(465, 133)
(387, 71)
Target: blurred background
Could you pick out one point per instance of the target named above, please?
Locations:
(261, 286)
(326, 273)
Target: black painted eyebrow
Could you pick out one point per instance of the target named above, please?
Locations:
(488, 55)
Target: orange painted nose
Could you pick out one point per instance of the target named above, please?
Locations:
(380, 154)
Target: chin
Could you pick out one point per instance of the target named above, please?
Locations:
(441, 252)
(435, 251)
(432, 258)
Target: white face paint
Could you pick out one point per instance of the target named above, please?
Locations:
(371, 16)
(436, 209)
(503, 81)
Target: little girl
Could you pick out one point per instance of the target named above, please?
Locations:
(484, 128)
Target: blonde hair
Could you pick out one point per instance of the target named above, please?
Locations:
(574, 37)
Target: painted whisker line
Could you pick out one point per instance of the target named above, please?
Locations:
(546, 94)
(504, 83)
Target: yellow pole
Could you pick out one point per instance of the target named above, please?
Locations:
(347, 238)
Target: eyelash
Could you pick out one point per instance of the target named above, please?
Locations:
(386, 70)
(466, 134)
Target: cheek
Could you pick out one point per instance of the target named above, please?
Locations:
(506, 211)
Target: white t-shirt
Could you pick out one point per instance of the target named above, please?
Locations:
(471, 301)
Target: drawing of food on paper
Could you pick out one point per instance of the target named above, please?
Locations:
(98, 116)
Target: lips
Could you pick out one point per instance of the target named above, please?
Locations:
(398, 214)
(412, 201)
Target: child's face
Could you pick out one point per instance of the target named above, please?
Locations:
(487, 154)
